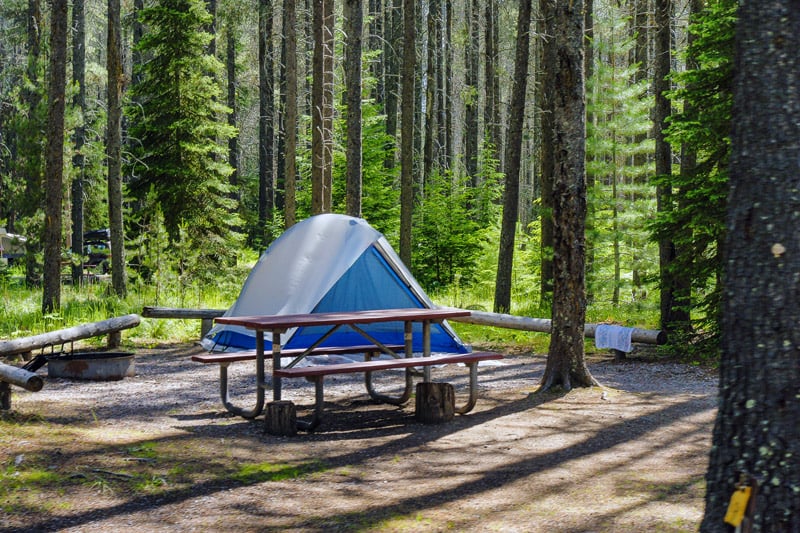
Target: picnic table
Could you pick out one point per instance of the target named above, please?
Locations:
(277, 325)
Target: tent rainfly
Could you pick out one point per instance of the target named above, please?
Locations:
(329, 263)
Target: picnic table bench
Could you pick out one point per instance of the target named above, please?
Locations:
(277, 324)
(317, 373)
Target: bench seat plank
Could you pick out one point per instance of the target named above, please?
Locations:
(383, 364)
(317, 373)
(250, 355)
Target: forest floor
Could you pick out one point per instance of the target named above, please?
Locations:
(158, 452)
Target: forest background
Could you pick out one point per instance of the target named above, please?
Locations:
(194, 174)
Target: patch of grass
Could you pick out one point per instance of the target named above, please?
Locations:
(144, 450)
(261, 472)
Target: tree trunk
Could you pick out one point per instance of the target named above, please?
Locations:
(392, 50)
(138, 32)
(353, 25)
(407, 133)
(566, 366)
(472, 66)
(447, 106)
(547, 91)
(290, 112)
(79, 137)
(756, 438)
(502, 295)
(30, 149)
(432, 89)
(54, 157)
(233, 119)
(211, 7)
(590, 179)
(328, 31)
(491, 107)
(671, 313)
(266, 124)
(114, 147)
(376, 35)
(322, 107)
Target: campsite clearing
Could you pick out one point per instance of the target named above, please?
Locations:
(155, 452)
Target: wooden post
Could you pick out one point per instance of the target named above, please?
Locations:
(281, 418)
(435, 403)
(114, 339)
(5, 396)
(205, 326)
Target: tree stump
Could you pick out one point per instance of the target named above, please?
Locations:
(5, 396)
(281, 418)
(435, 402)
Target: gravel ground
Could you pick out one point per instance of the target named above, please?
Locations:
(627, 456)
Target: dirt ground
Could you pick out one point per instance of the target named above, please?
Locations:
(158, 452)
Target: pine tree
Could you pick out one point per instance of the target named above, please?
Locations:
(178, 128)
(620, 116)
(696, 220)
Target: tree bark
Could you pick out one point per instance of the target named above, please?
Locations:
(505, 263)
(266, 122)
(290, 113)
(54, 157)
(114, 147)
(566, 365)
(328, 31)
(491, 107)
(79, 137)
(756, 437)
(672, 315)
(432, 88)
(354, 22)
(30, 150)
(322, 108)
(392, 50)
(447, 106)
(472, 67)
(547, 90)
(407, 133)
(376, 35)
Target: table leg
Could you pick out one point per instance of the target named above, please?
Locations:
(426, 347)
(223, 384)
(276, 363)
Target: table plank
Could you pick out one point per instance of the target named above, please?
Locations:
(272, 322)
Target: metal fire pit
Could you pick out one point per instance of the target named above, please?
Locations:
(96, 366)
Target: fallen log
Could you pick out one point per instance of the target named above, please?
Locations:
(544, 325)
(110, 327)
(540, 325)
(207, 316)
(21, 378)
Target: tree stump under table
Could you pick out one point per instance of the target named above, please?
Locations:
(435, 402)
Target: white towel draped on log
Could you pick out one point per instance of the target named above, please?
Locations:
(614, 337)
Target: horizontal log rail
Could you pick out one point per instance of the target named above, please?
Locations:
(540, 325)
(110, 327)
(206, 316)
(544, 325)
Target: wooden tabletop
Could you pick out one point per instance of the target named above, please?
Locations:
(273, 322)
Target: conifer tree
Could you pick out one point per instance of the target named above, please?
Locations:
(177, 126)
(620, 117)
(696, 220)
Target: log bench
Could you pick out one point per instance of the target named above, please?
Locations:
(317, 373)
